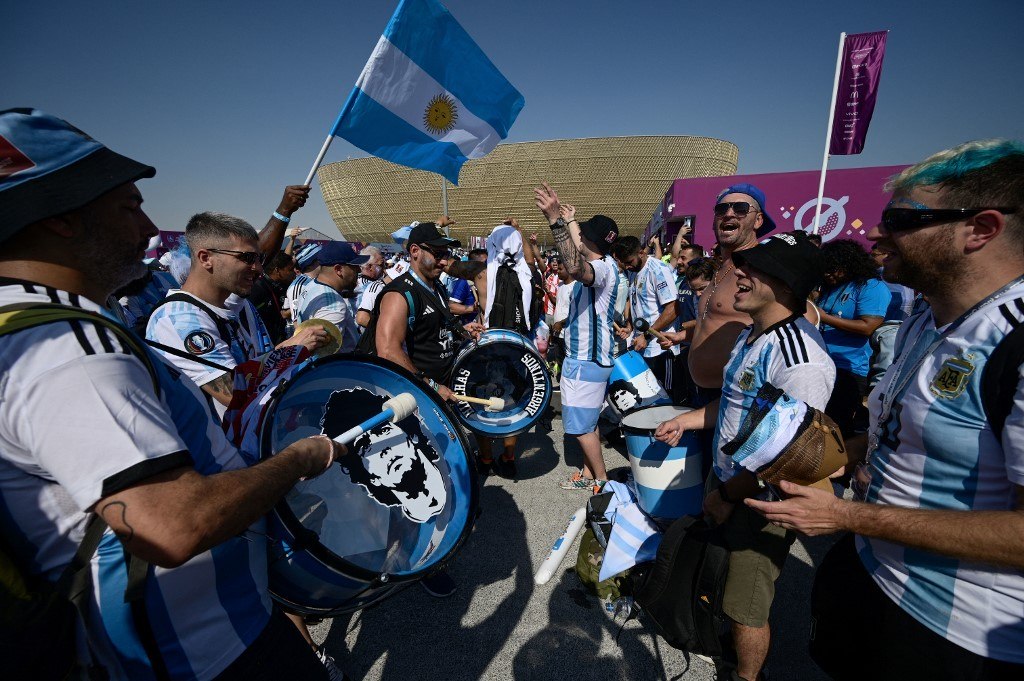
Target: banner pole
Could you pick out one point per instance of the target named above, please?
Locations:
(444, 203)
(828, 133)
(319, 159)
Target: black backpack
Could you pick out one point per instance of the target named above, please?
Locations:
(682, 590)
(507, 307)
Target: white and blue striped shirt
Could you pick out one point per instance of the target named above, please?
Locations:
(316, 300)
(588, 333)
(652, 289)
(82, 421)
(790, 355)
(937, 451)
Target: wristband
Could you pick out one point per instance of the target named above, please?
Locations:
(725, 497)
(558, 223)
(282, 218)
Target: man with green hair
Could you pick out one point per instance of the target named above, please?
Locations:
(929, 582)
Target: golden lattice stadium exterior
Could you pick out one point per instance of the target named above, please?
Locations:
(622, 177)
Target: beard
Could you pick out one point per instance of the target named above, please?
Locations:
(931, 268)
(111, 264)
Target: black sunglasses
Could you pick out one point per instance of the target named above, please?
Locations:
(250, 258)
(903, 219)
(443, 254)
(741, 208)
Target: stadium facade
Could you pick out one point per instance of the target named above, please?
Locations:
(624, 178)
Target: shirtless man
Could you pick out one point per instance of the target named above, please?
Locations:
(740, 221)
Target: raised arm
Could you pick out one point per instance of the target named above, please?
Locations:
(567, 237)
(272, 234)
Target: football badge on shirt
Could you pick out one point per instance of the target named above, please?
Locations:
(199, 342)
(952, 377)
(746, 381)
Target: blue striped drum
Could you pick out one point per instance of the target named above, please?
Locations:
(397, 507)
(668, 480)
(632, 385)
(503, 364)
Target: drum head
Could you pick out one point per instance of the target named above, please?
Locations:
(505, 365)
(648, 419)
(404, 497)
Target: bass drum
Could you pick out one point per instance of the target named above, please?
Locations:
(395, 509)
(506, 365)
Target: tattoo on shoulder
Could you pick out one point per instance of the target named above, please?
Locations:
(116, 516)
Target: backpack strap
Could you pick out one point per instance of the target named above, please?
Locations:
(1000, 377)
(21, 316)
(223, 328)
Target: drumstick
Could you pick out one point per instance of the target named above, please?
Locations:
(492, 403)
(397, 408)
(643, 326)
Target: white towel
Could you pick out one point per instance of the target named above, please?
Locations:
(506, 242)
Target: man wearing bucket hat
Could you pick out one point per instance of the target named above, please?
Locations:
(93, 423)
(783, 349)
(934, 555)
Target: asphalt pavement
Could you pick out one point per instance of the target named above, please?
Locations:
(500, 625)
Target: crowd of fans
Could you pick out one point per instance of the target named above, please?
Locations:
(928, 580)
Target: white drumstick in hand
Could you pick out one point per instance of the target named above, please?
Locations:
(397, 408)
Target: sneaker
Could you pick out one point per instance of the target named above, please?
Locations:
(333, 672)
(598, 486)
(439, 585)
(577, 481)
(505, 468)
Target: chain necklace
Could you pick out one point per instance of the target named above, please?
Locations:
(715, 281)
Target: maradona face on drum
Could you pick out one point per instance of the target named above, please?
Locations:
(394, 463)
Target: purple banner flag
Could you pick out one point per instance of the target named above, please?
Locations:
(859, 75)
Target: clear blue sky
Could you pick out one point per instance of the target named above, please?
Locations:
(231, 100)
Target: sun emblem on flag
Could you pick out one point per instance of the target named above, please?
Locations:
(440, 114)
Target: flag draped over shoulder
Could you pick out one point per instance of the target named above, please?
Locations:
(428, 98)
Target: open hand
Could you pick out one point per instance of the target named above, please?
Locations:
(807, 510)
(547, 200)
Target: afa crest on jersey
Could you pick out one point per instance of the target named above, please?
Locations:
(951, 380)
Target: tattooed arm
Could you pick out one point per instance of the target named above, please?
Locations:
(171, 517)
(220, 388)
(567, 239)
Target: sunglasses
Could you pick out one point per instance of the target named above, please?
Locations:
(250, 258)
(740, 208)
(443, 254)
(903, 219)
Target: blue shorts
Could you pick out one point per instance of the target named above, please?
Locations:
(583, 385)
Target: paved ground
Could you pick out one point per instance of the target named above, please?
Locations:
(499, 625)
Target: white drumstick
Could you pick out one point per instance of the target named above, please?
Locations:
(491, 403)
(561, 547)
(397, 408)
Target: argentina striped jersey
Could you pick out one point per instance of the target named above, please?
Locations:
(588, 332)
(791, 356)
(937, 451)
(82, 421)
(653, 288)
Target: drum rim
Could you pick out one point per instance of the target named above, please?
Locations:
(520, 429)
(316, 548)
(637, 430)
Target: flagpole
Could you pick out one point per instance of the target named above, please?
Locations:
(444, 203)
(319, 159)
(828, 133)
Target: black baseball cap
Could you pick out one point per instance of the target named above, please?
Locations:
(49, 167)
(426, 233)
(602, 230)
(790, 257)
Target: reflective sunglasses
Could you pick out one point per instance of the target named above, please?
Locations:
(741, 208)
(903, 219)
(250, 258)
(443, 254)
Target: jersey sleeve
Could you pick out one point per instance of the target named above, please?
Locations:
(872, 299)
(665, 286)
(605, 273)
(186, 327)
(369, 296)
(104, 429)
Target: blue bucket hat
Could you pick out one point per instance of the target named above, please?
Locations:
(49, 167)
(753, 192)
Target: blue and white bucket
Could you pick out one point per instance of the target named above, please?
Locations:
(669, 483)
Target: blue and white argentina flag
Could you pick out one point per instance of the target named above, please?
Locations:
(428, 98)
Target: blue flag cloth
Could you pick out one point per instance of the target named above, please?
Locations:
(428, 98)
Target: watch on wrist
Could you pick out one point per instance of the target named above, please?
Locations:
(558, 223)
